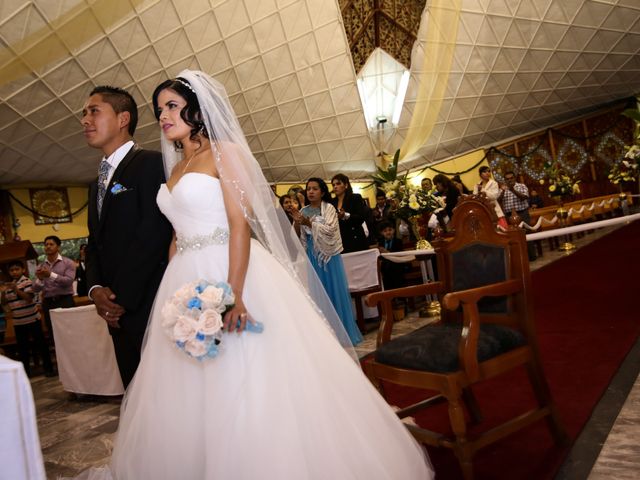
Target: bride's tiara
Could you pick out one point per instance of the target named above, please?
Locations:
(186, 84)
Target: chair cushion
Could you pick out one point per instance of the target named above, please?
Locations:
(434, 348)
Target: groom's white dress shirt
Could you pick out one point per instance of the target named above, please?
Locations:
(116, 157)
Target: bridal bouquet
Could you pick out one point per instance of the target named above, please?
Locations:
(192, 317)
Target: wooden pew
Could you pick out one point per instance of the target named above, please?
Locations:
(604, 206)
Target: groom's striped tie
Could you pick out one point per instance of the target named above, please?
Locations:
(103, 174)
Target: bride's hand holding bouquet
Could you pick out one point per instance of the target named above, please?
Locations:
(237, 318)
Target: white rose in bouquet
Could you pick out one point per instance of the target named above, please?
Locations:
(210, 322)
(195, 348)
(184, 294)
(185, 329)
(170, 313)
(212, 297)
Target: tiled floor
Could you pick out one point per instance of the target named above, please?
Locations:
(77, 433)
(620, 455)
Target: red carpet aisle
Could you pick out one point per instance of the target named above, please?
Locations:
(586, 307)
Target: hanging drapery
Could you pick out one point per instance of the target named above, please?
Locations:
(435, 47)
(56, 39)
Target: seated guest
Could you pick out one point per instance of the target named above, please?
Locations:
(18, 297)
(426, 184)
(449, 192)
(286, 202)
(352, 213)
(298, 192)
(317, 226)
(462, 188)
(392, 272)
(381, 212)
(535, 200)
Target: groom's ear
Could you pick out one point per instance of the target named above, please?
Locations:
(124, 119)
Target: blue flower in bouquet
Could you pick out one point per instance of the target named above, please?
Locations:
(193, 317)
(194, 302)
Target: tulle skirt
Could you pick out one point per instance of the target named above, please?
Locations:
(288, 403)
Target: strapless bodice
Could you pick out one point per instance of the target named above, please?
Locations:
(194, 206)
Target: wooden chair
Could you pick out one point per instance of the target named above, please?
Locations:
(487, 328)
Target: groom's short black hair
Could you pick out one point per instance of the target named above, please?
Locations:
(121, 101)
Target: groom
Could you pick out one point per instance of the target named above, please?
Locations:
(129, 237)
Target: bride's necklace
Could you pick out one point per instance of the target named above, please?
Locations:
(184, 169)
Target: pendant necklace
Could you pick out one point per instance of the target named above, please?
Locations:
(184, 169)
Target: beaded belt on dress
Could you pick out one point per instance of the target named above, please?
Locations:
(220, 236)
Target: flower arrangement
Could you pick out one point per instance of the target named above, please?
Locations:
(560, 183)
(407, 201)
(415, 201)
(388, 181)
(632, 157)
(192, 317)
(624, 171)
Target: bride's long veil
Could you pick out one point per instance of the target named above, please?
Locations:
(239, 169)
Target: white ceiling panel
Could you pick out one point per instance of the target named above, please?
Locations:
(286, 65)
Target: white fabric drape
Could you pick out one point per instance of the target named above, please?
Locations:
(84, 352)
(20, 455)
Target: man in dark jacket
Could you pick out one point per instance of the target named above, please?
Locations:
(129, 237)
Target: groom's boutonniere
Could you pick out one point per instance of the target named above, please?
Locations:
(118, 188)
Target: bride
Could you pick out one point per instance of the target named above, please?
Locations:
(287, 403)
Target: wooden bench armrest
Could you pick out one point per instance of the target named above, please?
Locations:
(413, 291)
(385, 297)
(452, 300)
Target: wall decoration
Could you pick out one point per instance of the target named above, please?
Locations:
(500, 164)
(610, 148)
(572, 156)
(50, 205)
(533, 163)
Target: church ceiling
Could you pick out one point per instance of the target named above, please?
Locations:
(289, 67)
(389, 24)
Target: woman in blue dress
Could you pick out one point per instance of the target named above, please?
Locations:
(317, 224)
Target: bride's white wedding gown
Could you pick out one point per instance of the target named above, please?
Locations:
(288, 403)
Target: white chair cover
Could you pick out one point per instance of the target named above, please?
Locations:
(20, 454)
(84, 351)
(362, 273)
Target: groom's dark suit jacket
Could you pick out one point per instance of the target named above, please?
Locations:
(128, 245)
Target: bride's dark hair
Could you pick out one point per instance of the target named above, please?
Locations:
(191, 113)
